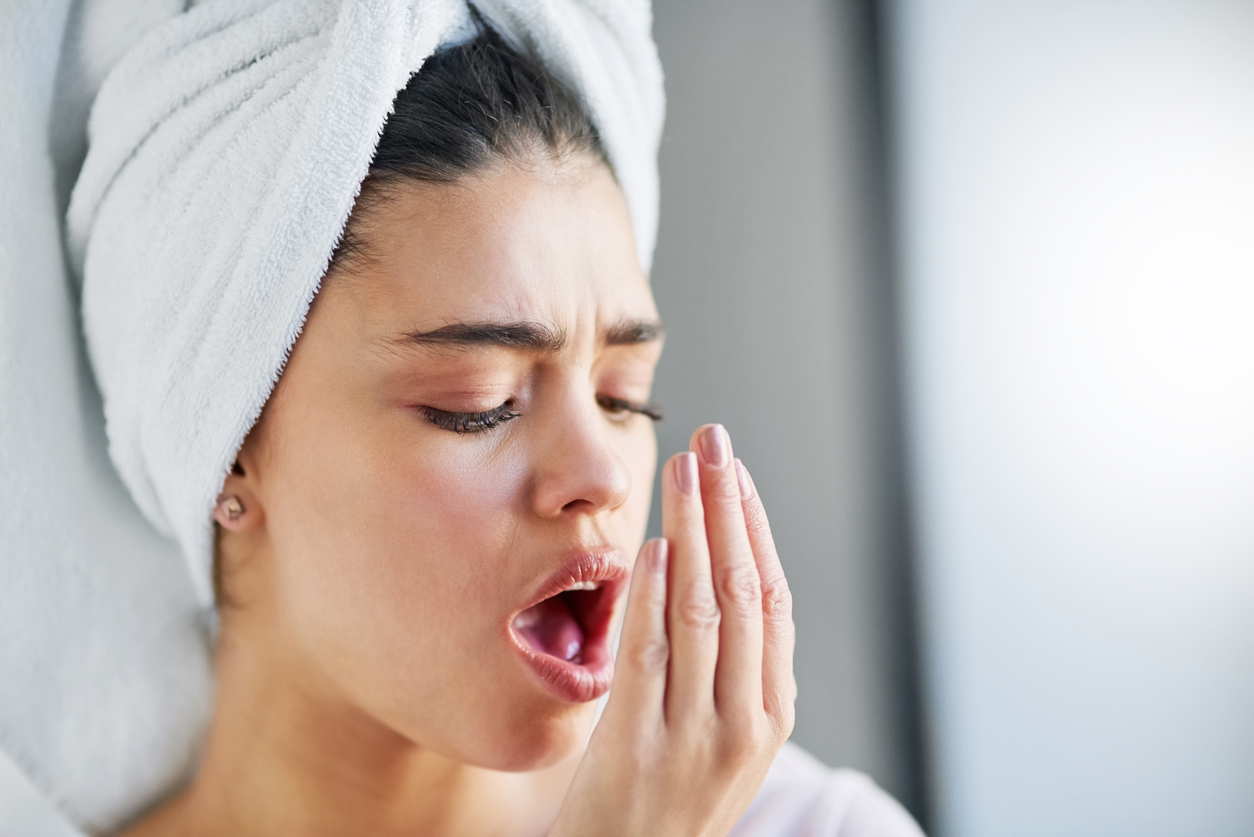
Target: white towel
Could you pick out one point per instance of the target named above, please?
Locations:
(226, 151)
(104, 663)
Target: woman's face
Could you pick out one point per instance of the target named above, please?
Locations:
(451, 443)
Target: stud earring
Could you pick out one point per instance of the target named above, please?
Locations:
(232, 508)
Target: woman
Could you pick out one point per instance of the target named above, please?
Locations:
(427, 541)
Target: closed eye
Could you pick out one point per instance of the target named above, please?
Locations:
(461, 423)
(622, 407)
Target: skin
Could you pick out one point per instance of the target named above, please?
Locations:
(365, 681)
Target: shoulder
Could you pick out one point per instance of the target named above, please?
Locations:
(802, 796)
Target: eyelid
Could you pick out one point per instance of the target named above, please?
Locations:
(609, 402)
(479, 422)
(463, 423)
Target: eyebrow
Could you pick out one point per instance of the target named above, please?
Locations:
(526, 336)
(633, 332)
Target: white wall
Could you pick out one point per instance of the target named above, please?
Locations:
(1078, 215)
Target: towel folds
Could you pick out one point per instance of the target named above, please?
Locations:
(226, 150)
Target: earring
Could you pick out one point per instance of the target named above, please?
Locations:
(232, 508)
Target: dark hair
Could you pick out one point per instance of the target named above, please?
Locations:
(471, 106)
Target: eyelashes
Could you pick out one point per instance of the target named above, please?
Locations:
(620, 406)
(462, 423)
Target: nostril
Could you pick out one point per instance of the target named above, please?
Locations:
(591, 505)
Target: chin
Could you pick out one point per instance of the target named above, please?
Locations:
(534, 741)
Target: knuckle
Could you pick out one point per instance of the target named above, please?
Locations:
(790, 714)
(698, 610)
(781, 708)
(784, 722)
(776, 599)
(649, 655)
(740, 589)
(745, 736)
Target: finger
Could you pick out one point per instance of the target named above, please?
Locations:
(779, 688)
(643, 649)
(738, 677)
(692, 610)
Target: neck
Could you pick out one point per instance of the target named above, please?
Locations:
(282, 757)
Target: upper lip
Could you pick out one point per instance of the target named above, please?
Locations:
(604, 566)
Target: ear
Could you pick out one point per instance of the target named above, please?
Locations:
(239, 506)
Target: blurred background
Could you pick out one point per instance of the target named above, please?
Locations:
(971, 283)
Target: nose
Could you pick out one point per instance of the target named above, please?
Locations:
(577, 468)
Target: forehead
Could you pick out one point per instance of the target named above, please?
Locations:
(542, 242)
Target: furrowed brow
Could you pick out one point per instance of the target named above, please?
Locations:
(632, 332)
(522, 336)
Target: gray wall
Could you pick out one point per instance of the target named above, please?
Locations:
(767, 276)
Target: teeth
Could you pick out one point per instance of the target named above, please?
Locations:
(583, 585)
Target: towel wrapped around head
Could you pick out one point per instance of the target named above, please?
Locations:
(226, 151)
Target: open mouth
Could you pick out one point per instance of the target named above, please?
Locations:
(564, 635)
(561, 625)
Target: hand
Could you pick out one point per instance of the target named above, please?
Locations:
(703, 685)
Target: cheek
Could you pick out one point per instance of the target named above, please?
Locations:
(391, 527)
(456, 502)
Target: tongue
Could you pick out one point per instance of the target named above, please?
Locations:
(550, 628)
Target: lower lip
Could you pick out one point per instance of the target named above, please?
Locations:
(567, 681)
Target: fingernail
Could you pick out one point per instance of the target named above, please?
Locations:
(742, 477)
(714, 445)
(686, 472)
(657, 556)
